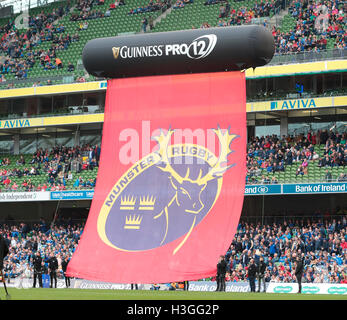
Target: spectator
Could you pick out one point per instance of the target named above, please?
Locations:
(58, 63)
(144, 24)
(70, 67)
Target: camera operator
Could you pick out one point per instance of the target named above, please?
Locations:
(37, 263)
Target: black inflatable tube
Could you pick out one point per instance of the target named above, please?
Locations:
(179, 52)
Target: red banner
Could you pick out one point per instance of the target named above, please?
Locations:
(171, 180)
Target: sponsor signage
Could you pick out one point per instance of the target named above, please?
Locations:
(250, 190)
(297, 104)
(24, 196)
(263, 189)
(177, 52)
(87, 284)
(51, 121)
(209, 286)
(72, 195)
(310, 188)
(17, 123)
(308, 288)
(293, 104)
(314, 188)
(202, 286)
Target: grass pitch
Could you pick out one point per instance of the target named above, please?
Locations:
(98, 294)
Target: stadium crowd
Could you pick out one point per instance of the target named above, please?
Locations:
(317, 25)
(20, 48)
(271, 154)
(181, 3)
(59, 165)
(87, 11)
(153, 5)
(321, 243)
(316, 22)
(265, 156)
(26, 240)
(244, 15)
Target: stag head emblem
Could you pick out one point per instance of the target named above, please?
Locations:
(188, 190)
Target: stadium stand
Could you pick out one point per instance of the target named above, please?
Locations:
(58, 169)
(58, 32)
(300, 159)
(77, 23)
(317, 157)
(321, 243)
(24, 240)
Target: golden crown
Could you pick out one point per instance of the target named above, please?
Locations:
(133, 222)
(128, 201)
(147, 201)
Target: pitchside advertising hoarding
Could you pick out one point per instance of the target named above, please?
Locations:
(197, 286)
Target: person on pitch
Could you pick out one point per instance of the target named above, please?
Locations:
(252, 271)
(3, 251)
(64, 268)
(299, 269)
(221, 271)
(134, 286)
(261, 268)
(52, 267)
(37, 263)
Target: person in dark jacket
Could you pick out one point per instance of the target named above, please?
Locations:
(261, 268)
(52, 267)
(37, 263)
(221, 271)
(3, 250)
(299, 269)
(252, 272)
(64, 268)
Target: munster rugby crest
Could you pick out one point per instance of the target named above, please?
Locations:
(160, 199)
